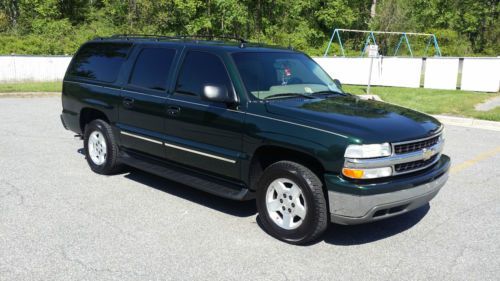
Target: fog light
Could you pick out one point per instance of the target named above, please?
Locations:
(367, 173)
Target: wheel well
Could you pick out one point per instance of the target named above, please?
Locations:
(88, 115)
(267, 155)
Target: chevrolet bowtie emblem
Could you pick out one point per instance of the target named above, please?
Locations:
(427, 153)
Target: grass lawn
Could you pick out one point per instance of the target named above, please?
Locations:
(31, 87)
(446, 102)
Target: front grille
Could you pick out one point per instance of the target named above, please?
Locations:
(409, 166)
(415, 146)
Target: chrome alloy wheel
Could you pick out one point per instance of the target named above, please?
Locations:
(97, 147)
(285, 203)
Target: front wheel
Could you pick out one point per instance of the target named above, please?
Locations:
(291, 203)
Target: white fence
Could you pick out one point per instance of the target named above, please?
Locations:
(33, 68)
(478, 74)
(441, 73)
(385, 71)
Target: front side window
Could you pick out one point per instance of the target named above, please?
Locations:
(276, 74)
(198, 69)
(100, 61)
(152, 67)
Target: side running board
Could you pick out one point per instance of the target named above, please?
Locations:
(188, 177)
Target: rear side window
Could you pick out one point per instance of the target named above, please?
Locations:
(100, 61)
(152, 68)
(198, 69)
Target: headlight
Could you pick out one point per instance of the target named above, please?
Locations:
(367, 150)
(441, 136)
(372, 173)
(362, 151)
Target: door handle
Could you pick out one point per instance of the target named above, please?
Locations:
(173, 110)
(128, 102)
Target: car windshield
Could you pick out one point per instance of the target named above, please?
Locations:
(281, 75)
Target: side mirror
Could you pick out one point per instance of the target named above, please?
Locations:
(217, 93)
(337, 83)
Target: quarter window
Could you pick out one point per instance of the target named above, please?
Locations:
(198, 69)
(100, 61)
(152, 68)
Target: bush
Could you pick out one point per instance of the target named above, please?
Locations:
(4, 22)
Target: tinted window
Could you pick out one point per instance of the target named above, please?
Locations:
(100, 61)
(152, 68)
(198, 69)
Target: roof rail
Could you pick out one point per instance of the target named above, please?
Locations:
(179, 37)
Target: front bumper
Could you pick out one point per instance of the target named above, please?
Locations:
(352, 203)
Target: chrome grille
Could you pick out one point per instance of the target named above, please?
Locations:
(414, 146)
(406, 157)
(414, 165)
(418, 147)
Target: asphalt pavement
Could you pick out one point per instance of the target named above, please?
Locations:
(60, 221)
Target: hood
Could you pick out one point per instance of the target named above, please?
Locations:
(369, 121)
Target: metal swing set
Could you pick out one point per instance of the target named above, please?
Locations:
(370, 39)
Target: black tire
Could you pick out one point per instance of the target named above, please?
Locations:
(111, 164)
(316, 219)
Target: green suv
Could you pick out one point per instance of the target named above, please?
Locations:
(246, 121)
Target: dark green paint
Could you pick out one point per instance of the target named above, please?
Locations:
(321, 128)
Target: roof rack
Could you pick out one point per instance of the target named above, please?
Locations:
(241, 40)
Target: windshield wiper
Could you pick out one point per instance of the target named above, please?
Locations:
(284, 95)
(330, 92)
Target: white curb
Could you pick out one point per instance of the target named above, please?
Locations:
(469, 122)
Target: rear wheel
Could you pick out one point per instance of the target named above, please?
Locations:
(101, 149)
(291, 203)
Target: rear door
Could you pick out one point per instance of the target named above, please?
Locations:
(202, 134)
(142, 110)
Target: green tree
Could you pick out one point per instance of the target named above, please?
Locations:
(60, 26)
(464, 27)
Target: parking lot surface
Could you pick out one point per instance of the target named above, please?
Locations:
(60, 221)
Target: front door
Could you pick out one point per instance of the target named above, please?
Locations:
(142, 111)
(202, 134)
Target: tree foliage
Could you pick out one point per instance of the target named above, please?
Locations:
(463, 27)
(59, 26)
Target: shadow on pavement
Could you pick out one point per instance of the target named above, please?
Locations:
(231, 207)
(336, 234)
(349, 235)
(344, 235)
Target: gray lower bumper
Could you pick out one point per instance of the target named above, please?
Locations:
(354, 209)
(62, 121)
